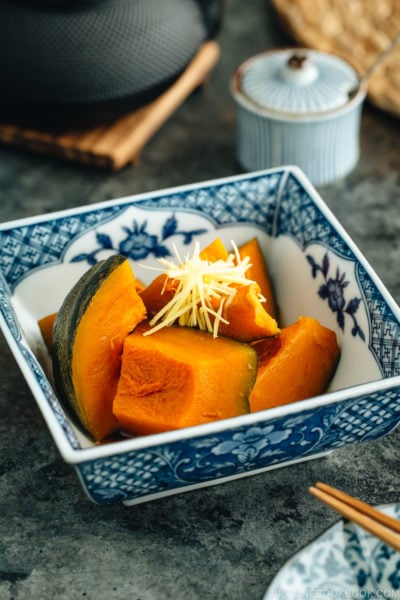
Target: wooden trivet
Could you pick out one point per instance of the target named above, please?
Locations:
(119, 143)
(358, 31)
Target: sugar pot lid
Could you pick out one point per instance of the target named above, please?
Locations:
(296, 81)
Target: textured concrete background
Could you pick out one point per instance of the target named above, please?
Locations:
(224, 542)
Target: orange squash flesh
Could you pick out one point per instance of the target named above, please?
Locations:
(246, 316)
(178, 377)
(297, 365)
(139, 285)
(258, 271)
(215, 250)
(162, 289)
(88, 338)
(158, 293)
(46, 325)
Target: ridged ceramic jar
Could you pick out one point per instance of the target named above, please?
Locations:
(298, 107)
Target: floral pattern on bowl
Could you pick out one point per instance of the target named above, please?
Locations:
(316, 270)
(344, 562)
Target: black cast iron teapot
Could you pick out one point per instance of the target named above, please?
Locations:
(88, 61)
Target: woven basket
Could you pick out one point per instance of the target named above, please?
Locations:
(357, 30)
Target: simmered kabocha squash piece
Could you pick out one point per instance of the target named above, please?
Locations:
(179, 376)
(257, 270)
(162, 288)
(46, 325)
(158, 293)
(215, 250)
(244, 323)
(210, 291)
(245, 318)
(88, 335)
(260, 273)
(297, 364)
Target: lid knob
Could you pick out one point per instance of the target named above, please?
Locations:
(300, 69)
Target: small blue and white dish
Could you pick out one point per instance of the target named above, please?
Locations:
(317, 271)
(344, 562)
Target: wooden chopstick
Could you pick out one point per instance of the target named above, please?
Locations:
(382, 526)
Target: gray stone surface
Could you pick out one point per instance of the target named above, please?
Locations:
(224, 542)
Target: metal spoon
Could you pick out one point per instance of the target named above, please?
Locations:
(377, 62)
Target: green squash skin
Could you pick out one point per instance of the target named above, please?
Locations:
(66, 324)
(248, 385)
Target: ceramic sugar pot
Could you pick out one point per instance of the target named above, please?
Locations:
(298, 107)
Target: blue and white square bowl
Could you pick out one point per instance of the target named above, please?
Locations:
(317, 271)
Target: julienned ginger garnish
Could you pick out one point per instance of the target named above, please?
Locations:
(201, 285)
